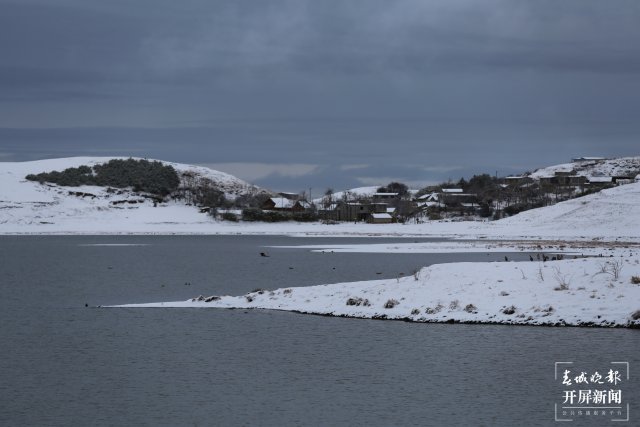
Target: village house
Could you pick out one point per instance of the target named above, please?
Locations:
(380, 218)
(599, 181)
(283, 204)
(455, 196)
(359, 211)
(564, 179)
(449, 198)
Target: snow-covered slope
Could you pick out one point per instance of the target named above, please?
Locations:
(611, 212)
(33, 207)
(624, 166)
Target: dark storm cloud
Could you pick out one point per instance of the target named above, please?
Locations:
(204, 40)
(408, 90)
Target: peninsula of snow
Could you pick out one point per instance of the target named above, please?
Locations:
(579, 292)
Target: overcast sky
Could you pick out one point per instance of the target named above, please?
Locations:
(331, 93)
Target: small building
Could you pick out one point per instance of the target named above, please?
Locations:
(380, 218)
(622, 179)
(564, 179)
(600, 181)
(358, 211)
(457, 198)
(285, 205)
(429, 197)
(448, 197)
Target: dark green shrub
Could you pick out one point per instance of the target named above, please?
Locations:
(230, 216)
(255, 214)
(142, 175)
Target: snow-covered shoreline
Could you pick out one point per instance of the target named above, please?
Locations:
(594, 291)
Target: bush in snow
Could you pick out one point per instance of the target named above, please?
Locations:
(454, 305)
(635, 280)
(391, 303)
(415, 311)
(470, 308)
(358, 301)
(509, 310)
(562, 279)
(636, 315)
(230, 216)
(435, 310)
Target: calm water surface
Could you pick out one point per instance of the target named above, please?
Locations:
(63, 364)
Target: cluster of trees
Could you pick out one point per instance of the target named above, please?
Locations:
(201, 191)
(395, 187)
(142, 175)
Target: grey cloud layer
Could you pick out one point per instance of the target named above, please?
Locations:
(489, 84)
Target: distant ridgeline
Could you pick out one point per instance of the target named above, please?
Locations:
(143, 175)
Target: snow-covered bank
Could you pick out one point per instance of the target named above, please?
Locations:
(31, 208)
(585, 291)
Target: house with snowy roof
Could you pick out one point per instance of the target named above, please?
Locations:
(285, 205)
(380, 218)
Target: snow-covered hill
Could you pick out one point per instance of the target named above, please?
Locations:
(53, 208)
(29, 207)
(623, 166)
(611, 212)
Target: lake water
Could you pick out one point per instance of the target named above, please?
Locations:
(62, 364)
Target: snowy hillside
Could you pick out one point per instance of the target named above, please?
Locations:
(612, 212)
(91, 208)
(624, 166)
